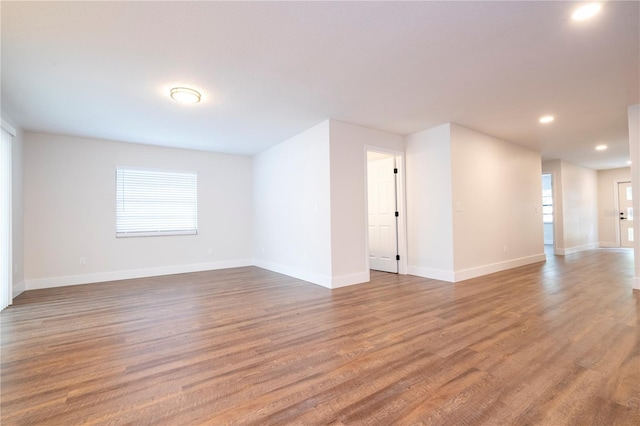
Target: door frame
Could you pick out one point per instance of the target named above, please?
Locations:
(616, 203)
(401, 202)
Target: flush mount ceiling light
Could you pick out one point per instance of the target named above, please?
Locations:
(185, 95)
(546, 119)
(629, 162)
(586, 11)
(601, 147)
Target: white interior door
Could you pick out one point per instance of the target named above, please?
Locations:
(625, 210)
(383, 240)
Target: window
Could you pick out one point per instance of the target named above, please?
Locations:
(156, 202)
(547, 206)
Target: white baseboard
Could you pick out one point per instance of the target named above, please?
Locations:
(609, 244)
(19, 288)
(132, 273)
(636, 283)
(434, 274)
(322, 280)
(479, 271)
(312, 277)
(351, 279)
(576, 249)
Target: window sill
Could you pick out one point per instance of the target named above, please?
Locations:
(154, 234)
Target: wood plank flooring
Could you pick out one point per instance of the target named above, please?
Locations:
(553, 343)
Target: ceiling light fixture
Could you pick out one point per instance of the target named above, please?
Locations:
(546, 119)
(586, 11)
(601, 147)
(629, 162)
(185, 95)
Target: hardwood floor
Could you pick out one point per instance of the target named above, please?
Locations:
(552, 343)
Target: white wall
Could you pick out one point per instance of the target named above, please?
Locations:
(608, 213)
(576, 206)
(299, 208)
(309, 192)
(429, 203)
(349, 248)
(17, 218)
(17, 214)
(69, 212)
(291, 207)
(497, 203)
(474, 204)
(633, 113)
(579, 209)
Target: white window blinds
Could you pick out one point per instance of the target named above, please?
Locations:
(156, 202)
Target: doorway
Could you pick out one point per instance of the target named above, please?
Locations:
(382, 195)
(625, 214)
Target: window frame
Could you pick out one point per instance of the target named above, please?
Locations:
(157, 232)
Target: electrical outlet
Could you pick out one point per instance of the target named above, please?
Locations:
(504, 249)
(210, 252)
(83, 261)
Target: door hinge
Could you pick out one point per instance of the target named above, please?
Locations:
(397, 257)
(397, 214)
(395, 170)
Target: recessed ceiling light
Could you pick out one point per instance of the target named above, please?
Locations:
(185, 95)
(601, 147)
(546, 119)
(586, 11)
(629, 162)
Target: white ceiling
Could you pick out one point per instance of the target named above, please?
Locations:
(270, 70)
